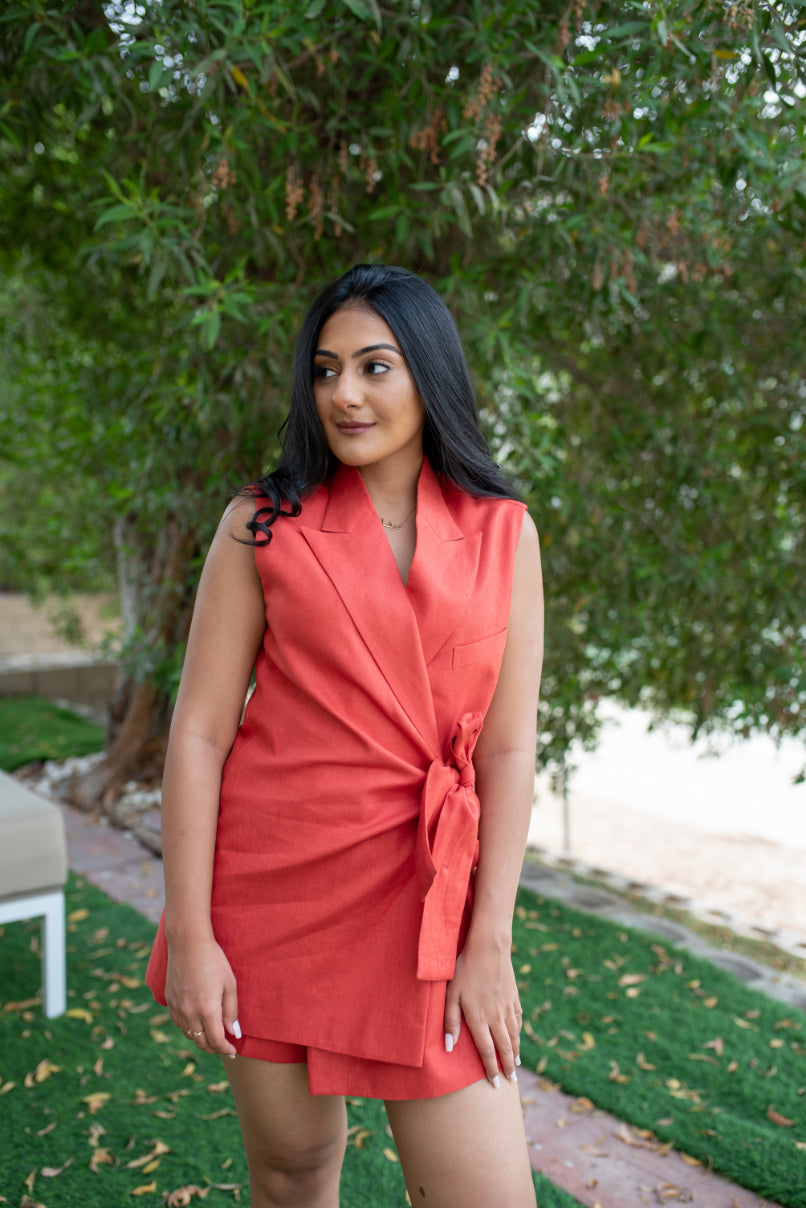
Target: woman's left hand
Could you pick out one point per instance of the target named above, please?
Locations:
(484, 991)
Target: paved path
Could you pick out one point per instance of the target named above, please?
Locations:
(591, 1154)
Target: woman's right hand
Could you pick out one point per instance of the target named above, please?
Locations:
(201, 994)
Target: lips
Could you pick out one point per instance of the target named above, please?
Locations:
(354, 429)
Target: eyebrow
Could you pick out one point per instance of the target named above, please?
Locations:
(324, 352)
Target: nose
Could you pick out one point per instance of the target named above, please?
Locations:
(346, 391)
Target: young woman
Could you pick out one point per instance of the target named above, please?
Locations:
(341, 866)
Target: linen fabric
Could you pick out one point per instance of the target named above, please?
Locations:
(348, 823)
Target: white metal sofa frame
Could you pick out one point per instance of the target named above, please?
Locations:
(33, 869)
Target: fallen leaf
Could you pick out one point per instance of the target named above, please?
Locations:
(51, 1172)
(78, 916)
(189, 1069)
(102, 1157)
(588, 1041)
(225, 1111)
(718, 1045)
(744, 1023)
(42, 1071)
(777, 1118)
(391, 1155)
(80, 1013)
(96, 1100)
(159, 1149)
(689, 1161)
(183, 1195)
(632, 979)
(43, 1132)
(643, 1064)
(145, 1189)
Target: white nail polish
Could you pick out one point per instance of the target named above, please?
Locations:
(232, 1056)
(513, 1077)
(236, 1030)
(496, 1082)
(448, 1042)
(517, 1060)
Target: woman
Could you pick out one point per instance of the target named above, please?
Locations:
(319, 858)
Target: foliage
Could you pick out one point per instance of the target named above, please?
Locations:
(612, 199)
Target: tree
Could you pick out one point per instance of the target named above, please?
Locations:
(611, 198)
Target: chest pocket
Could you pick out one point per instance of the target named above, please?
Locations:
(468, 654)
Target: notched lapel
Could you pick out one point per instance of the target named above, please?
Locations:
(353, 551)
(444, 568)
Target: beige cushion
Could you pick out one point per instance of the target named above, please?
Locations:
(33, 852)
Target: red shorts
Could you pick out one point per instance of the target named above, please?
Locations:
(337, 1074)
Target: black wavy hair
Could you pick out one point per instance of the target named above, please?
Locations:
(429, 341)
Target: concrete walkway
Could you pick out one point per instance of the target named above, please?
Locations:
(591, 1154)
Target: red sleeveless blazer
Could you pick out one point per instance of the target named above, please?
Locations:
(348, 824)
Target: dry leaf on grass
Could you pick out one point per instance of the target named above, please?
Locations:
(391, 1155)
(52, 1172)
(159, 1149)
(42, 1071)
(102, 1157)
(777, 1118)
(183, 1195)
(145, 1188)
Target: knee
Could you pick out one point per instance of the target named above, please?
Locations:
(303, 1173)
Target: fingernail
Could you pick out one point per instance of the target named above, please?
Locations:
(232, 1056)
(517, 1060)
(236, 1030)
(496, 1082)
(513, 1077)
(448, 1042)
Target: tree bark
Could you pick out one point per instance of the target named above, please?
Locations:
(140, 710)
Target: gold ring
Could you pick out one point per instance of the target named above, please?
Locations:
(193, 1035)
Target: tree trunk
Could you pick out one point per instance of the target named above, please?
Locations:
(157, 618)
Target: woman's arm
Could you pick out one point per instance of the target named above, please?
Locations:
(225, 635)
(483, 988)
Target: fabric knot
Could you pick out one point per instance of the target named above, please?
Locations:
(447, 850)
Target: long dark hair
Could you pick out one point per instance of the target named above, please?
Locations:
(429, 341)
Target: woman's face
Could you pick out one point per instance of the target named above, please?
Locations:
(365, 396)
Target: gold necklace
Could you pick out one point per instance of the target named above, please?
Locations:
(386, 524)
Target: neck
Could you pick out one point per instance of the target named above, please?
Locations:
(393, 491)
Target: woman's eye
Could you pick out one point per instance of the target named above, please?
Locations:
(375, 367)
(323, 371)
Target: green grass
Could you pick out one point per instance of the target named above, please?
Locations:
(109, 1105)
(32, 728)
(667, 1042)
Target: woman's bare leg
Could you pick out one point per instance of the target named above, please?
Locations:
(465, 1148)
(294, 1141)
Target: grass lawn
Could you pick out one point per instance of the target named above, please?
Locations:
(32, 728)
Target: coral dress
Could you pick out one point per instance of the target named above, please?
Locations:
(348, 824)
